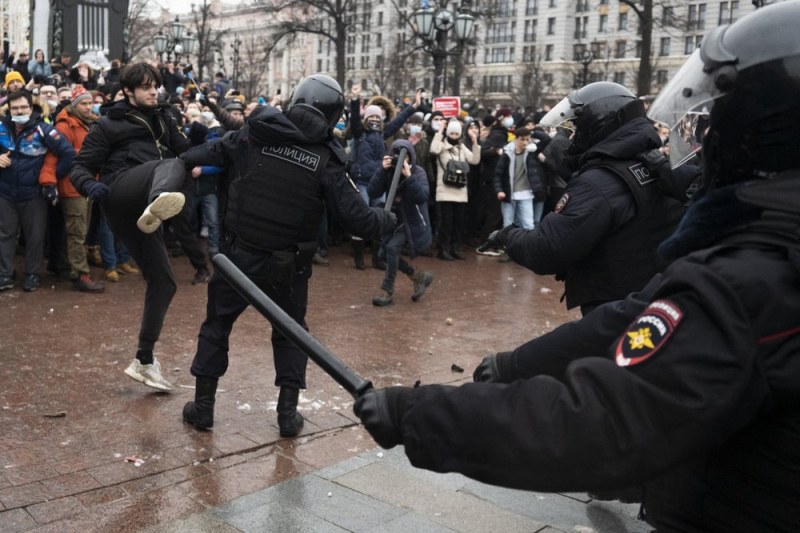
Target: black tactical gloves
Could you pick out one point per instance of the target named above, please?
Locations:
(495, 368)
(499, 238)
(381, 412)
(95, 190)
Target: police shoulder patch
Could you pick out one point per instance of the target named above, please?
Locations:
(648, 333)
(562, 203)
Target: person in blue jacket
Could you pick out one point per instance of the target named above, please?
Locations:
(24, 140)
(414, 228)
(369, 146)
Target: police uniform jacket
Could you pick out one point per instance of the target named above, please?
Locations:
(691, 386)
(281, 180)
(602, 237)
(124, 137)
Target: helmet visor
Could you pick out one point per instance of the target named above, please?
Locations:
(684, 105)
(563, 115)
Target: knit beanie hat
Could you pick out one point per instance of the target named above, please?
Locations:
(454, 126)
(372, 110)
(14, 75)
(79, 93)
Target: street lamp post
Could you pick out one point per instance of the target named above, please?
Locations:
(175, 42)
(236, 44)
(586, 57)
(433, 25)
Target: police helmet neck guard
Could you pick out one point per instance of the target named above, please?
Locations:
(315, 106)
(737, 98)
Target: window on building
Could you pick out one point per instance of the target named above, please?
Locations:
(530, 30)
(662, 77)
(319, 46)
(692, 42)
(351, 44)
(379, 40)
(602, 24)
(506, 8)
(668, 16)
(497, 84)
(551, 3)
(728, 12)
(351, 63)
(663, 49)
(581, 5)
(380, 18)
(547, 80)
(619, 77)
(378, 62)
(528, 54)
(581, 25)
(319, 65)
(551, 26)
(531, 7)
(364, 62)
(619, 49)
(365, 43)
(697, 17)
(468, 82)
(622, 22)
(548, 52)
(637, 50)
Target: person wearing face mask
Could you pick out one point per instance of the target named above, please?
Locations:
(49, 95)
(368, 148)
(25, 189)
(451, 200)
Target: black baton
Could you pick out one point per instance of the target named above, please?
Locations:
(332, 365)
(398, 170)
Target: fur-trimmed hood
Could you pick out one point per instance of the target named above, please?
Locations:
(384, 103)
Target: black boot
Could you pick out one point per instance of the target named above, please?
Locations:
(456, 254)
(290, 422)
(377, 262)
(358, 253)
(200, 412)
(444, 254)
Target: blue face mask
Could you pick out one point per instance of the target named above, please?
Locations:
(96, 109)
(340, 125)
(414, 130)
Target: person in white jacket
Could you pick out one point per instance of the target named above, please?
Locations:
(451, 200)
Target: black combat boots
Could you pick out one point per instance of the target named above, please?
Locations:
(290, 422)
(200, 412)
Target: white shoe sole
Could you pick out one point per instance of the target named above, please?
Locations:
(142, 379)
(167, 205)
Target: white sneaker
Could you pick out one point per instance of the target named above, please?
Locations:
(167, 205)
(150, 375)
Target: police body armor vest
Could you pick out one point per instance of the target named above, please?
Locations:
(277, 203)
(626, 260)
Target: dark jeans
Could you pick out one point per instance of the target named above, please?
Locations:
(391, 247)
(225, 305)
(451, 219)
(131, 192)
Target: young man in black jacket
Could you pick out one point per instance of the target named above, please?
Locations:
(133, 148)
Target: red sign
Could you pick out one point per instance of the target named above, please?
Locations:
(450, 106)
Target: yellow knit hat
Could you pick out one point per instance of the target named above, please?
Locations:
(14, 75)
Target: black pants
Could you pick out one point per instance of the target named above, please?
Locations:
(131, 192)
(450, 223)
(225, 305)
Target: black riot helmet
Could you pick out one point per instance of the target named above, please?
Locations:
(745, 78)
(594, 111)
(315, 106)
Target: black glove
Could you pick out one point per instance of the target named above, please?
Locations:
(95, 190)
(487, 371)
(499, 237)
(381, 412)
(50, 194)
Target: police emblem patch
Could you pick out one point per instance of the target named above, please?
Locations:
(562, 203)
(648, 333)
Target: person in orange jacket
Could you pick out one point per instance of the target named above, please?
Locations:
(73, 123)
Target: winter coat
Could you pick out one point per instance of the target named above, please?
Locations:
(444, 152)
(496, 139)
(20, 181)
(74, 131)
(126, 137)
(39, 69)
(411, 201)
(504, 173)
(368, 146)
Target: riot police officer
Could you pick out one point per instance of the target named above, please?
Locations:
(691, 385)
(287, 167)
(602, 237)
